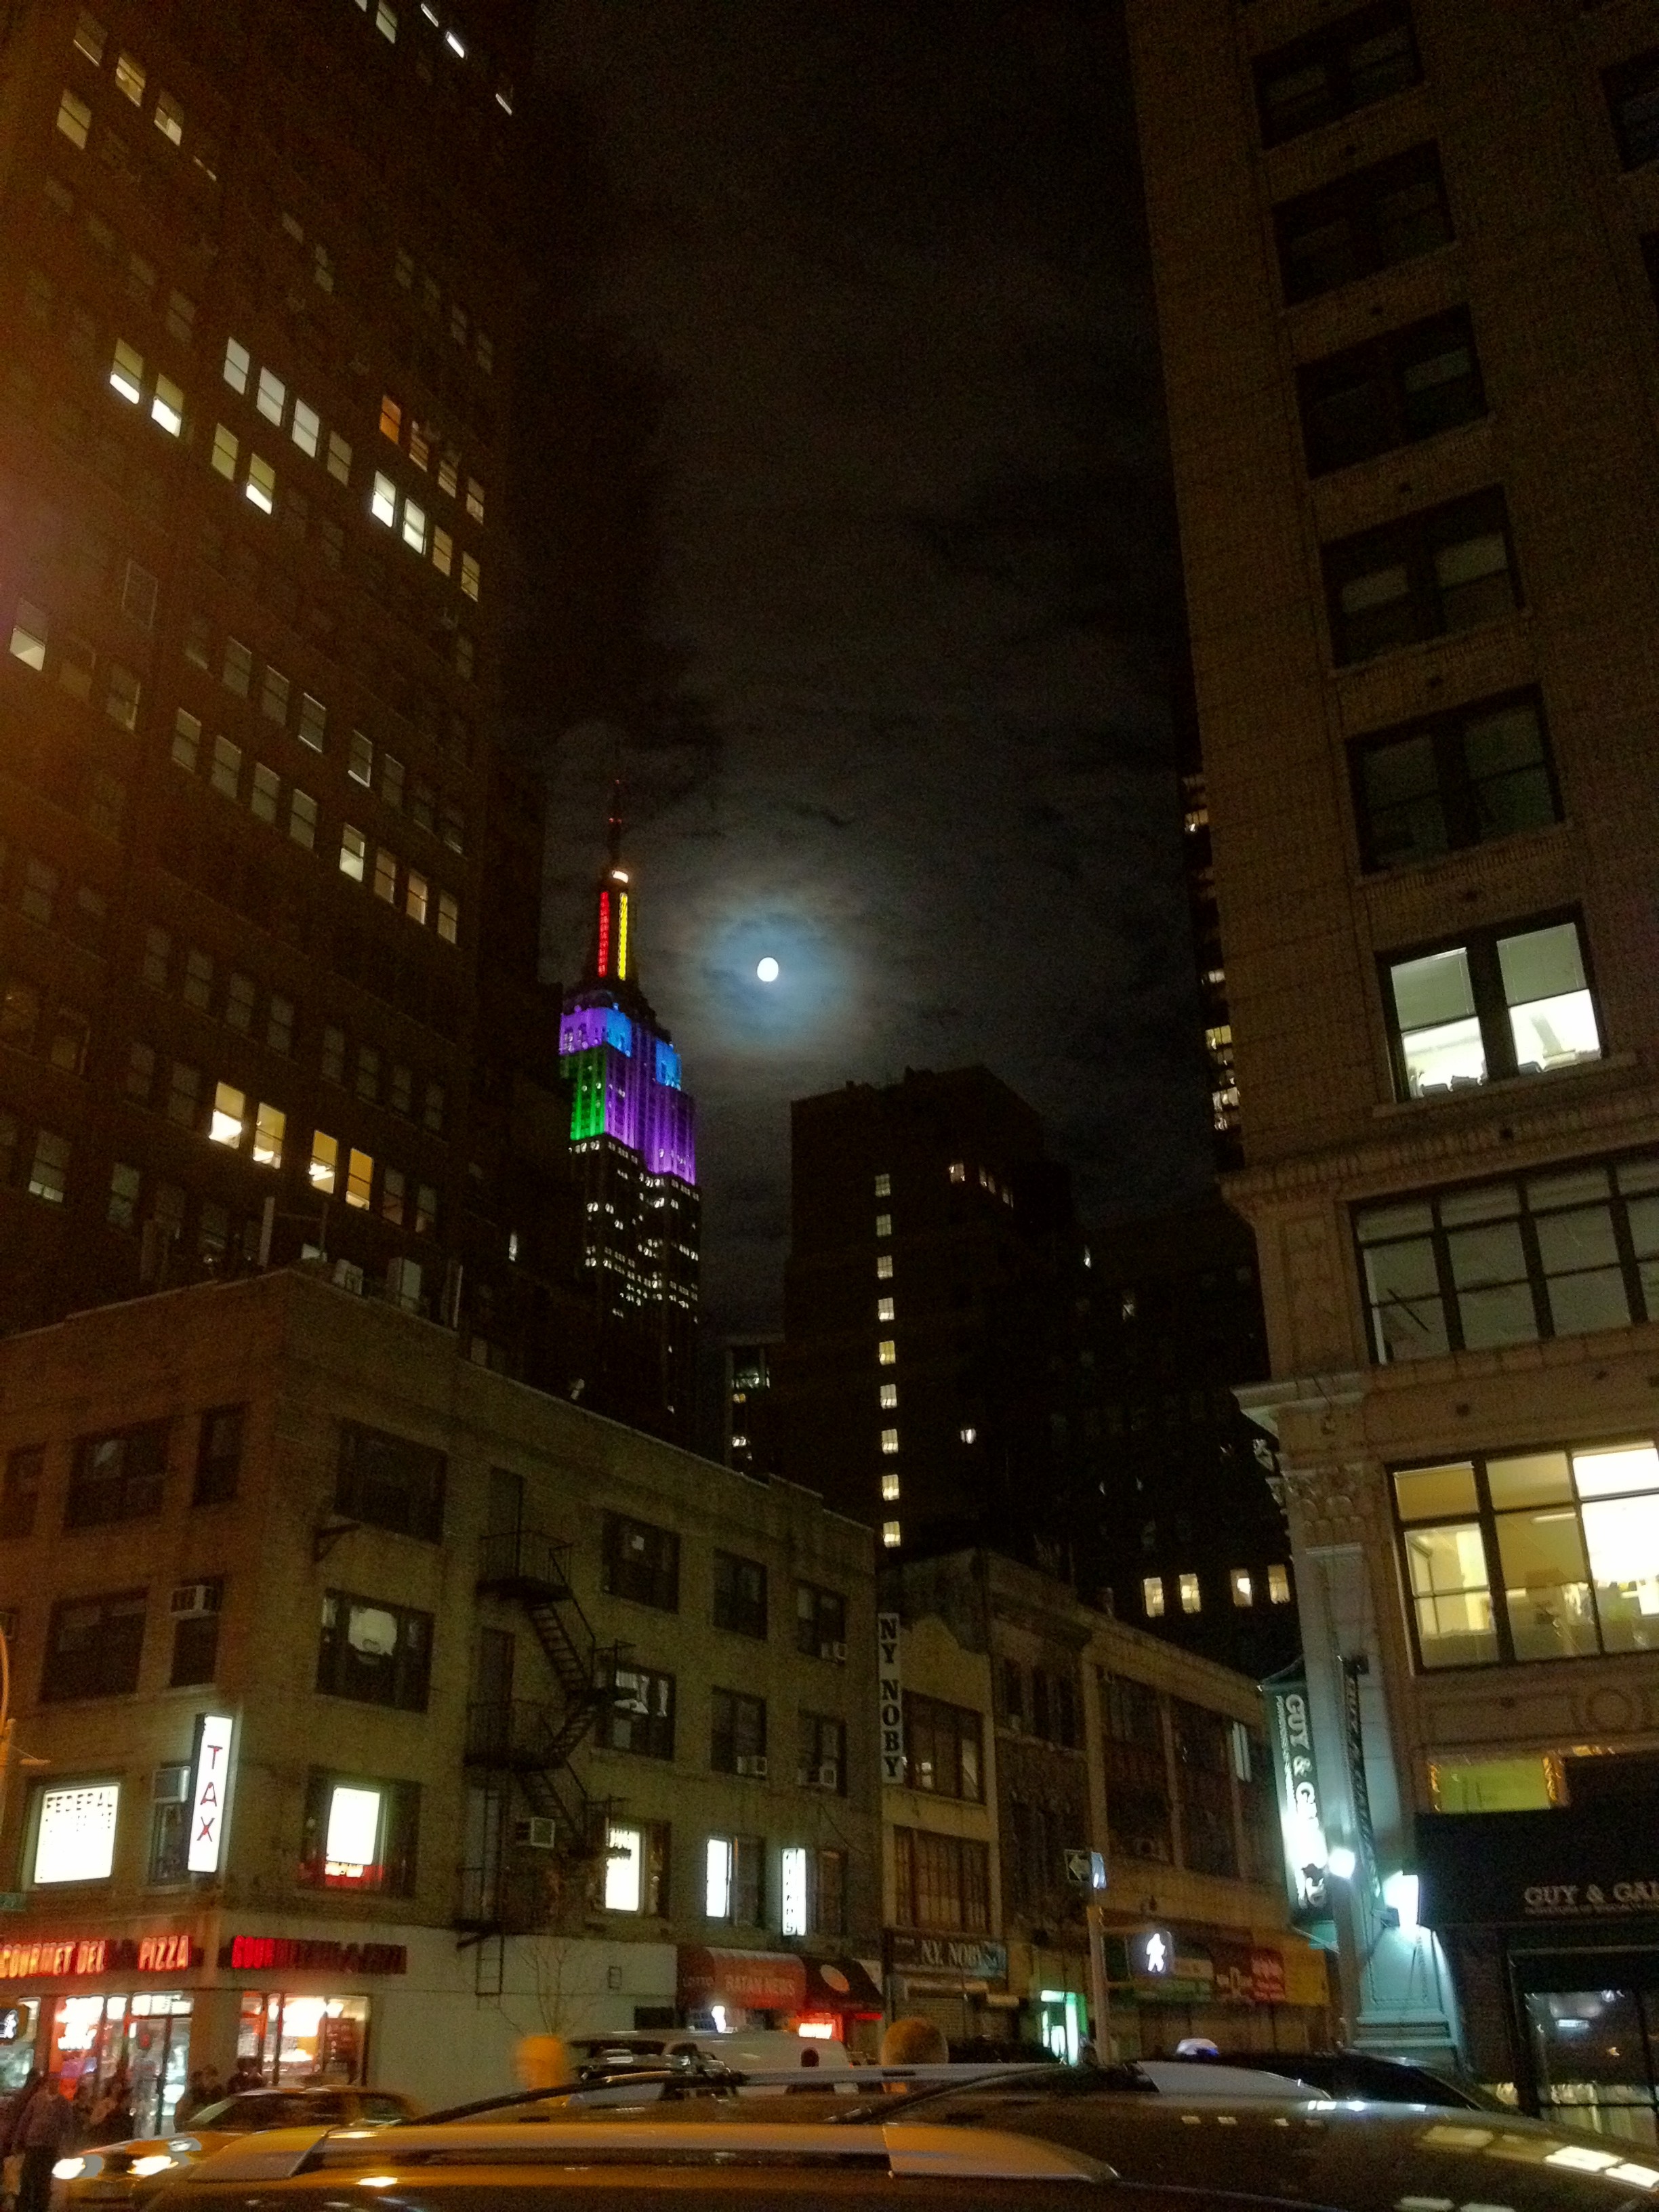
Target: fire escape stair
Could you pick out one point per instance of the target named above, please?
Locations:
(531, 1741)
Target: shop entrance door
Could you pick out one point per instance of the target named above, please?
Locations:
(1061, 2024)
(1594, 2051)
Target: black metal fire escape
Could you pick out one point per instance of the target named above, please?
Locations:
(524, 1861)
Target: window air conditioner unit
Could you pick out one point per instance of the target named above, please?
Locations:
(755, 1763)
(835, 1651)
(171, 1786)
(829, 1777)
(539, 1831)
(192, 1600)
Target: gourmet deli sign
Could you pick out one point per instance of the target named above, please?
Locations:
(1594, 1862)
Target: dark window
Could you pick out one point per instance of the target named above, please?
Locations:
(942, 1747)
(1650, 262)
(641, 1714)
(823, 1752)
(1347, 65)
(1369, 221)
(116, 1477)
(1035, 1869)
(738, 1737)
(820, 1622)
(941, 1882)
(379, 1653)
(1464, 778)
(1012, 1676)
(1041, 1723)
(218, 1455)
(1391, 392)
(642, 1562)
(739, 1594)
(1203, 1750)
(826, 1892)
(1137, 1774)
(169, 1824)
(1541, 1555)
(194, 1633)
(1432, 574)
(92, 1647)
(1562, 1252)
(1511, 1000)
(390, 1483)
(736, 1877)
(1632, 91)
(19, 1492)
(345, 1816)
(1258, 1806)
(1066, 1729)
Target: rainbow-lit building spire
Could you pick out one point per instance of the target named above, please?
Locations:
(624, 1072)
(633, 1148)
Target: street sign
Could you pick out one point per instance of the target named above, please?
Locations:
(1087, 1869)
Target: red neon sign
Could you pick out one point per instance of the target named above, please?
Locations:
(604, 932)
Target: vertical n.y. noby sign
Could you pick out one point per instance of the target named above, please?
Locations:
(892, 1703)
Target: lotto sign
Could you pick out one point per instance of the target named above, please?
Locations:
(891, 1699)
(208, 1781)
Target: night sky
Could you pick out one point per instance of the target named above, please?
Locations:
(913, 572)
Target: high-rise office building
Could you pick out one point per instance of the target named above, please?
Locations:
(268, 888)
(1405, 256)
(750, 1439)
(634, 1165)
(929, 1232)
(1175, 1527)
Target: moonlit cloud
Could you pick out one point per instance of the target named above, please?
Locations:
(919, 561)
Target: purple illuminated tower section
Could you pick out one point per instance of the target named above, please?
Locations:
(633, 1143)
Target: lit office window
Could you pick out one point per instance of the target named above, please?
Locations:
(1151, 1596)
(888, 1393)
(889, 1440)
(890, 1490)
(884, 1225)
(884, 1309)
(886, 1352)
(1190, 1599)
(1279, 1586)
(884, 1266)
(623, 1868)
(1243, 1588)
(884, 1186)
(890, 1535)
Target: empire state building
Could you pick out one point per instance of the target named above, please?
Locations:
(633, 1150)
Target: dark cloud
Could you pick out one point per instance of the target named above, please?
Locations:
(917, 579)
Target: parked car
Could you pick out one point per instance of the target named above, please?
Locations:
(762, 2047)
(129, 2173)
(1366, 2074)
(988, 2148)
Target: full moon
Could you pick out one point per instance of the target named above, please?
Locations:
(767, 969)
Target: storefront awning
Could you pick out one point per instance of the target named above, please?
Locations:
(760, 1981)
(839, 1985)
(1595, 1862)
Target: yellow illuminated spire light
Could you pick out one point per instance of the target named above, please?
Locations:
(621, 936)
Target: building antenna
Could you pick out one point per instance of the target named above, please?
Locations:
(615, 824)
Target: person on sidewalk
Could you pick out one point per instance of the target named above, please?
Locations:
(43, 2135)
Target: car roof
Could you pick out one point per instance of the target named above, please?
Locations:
(1362, 2158)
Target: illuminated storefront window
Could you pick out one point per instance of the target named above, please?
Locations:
(145, 2036)
(293, 2040)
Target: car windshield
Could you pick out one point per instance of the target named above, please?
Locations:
(246, 2115)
